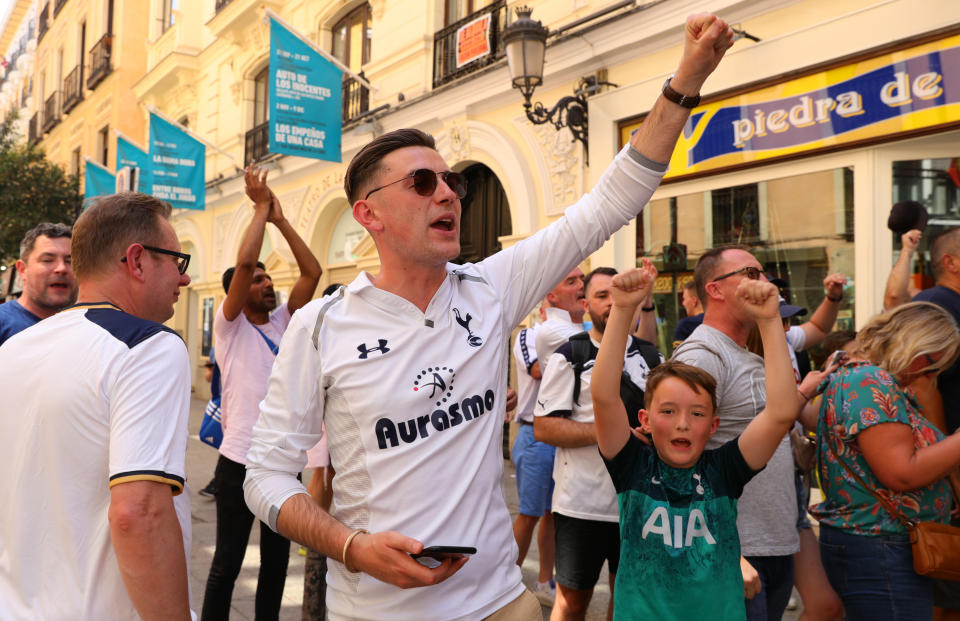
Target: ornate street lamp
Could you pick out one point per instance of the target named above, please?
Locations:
(525, 41)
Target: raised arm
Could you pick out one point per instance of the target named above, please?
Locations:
(759, 440)
(822, 320)
(629, 289)
(308, 265)
(645, 319)
(897, 291)
(149, 547)
(706, 40)
(262, 197)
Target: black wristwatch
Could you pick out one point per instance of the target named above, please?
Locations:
(684, 101)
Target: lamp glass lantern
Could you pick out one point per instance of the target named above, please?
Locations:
(525, 41)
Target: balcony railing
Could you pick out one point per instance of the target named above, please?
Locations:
(445, 67)
(100, 56)
(43, 21)
(220, 4)
(57, 5)
(256, 145)
(32, 134)
(51, 111)
(356, 99)
(73, 89)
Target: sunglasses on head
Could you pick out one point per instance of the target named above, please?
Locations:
(425, 182)
(753, 273)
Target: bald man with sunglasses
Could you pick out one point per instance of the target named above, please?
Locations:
(406, 370)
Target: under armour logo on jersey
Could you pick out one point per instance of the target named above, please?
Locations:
(475, 341)
(364, 352)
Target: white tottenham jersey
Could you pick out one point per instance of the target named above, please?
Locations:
(414, 402)
(554, 332)
(93, 397)
(525, 355)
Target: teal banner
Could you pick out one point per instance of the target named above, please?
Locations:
(178, 161)
(97, 181)
(130, 155)
(305, 98)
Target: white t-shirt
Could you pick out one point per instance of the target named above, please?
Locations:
(554, 332)
(245, 361)
(414, 401)
(796, 341)
(93, 397)
(580, 490)
(525, 355)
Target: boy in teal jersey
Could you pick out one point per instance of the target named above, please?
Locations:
(679, 550)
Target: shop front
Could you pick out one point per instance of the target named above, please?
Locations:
(803, 166)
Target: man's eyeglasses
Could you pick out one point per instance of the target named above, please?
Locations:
(753, 273)
(425, 182)
(183, 259)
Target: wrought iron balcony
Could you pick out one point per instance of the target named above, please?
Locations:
(100, 56)
(220, 4)
(445, 61)
(57, 5)
(43, 21)
(51, 111)
(356, 99)
(73, 89)
(32, 134)
(256, 144)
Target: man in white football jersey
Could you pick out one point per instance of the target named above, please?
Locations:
(406, 370)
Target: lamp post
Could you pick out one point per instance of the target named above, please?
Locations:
(525, 41)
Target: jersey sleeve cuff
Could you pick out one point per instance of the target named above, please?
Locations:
(157, 476)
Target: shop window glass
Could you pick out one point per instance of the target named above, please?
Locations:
(347, 233)
(800, 228)
(934, 183)
(736, 215)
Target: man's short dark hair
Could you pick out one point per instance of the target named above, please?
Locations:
(946, 242)
(706, 269)
(228, 276)
(365, 165)
(108, 226)
(46, 229)
(607, 271)
(691, 286)
(330, 289)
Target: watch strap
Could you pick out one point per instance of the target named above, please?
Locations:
(684, 101)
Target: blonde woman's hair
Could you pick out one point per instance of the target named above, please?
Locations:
(896, 338)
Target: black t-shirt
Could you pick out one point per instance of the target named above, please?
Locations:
(949, 380)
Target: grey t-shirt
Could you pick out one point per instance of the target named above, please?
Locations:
(767, 510)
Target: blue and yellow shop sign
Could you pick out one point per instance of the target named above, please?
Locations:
(904, 91)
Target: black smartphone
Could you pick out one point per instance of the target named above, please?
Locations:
(432, 556)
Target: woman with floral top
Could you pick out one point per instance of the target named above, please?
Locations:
(873, 424)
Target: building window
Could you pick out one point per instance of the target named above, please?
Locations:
(257, 139)
(103, 144)
(736, 215)
(167, 17)
(458, 9)
(351, 46)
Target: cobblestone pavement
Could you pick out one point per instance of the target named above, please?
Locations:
(201, 461)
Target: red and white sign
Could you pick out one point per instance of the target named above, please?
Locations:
(473, 40)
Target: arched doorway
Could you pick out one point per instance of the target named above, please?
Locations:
(485, 215)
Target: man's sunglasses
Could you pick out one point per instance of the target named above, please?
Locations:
(425, 182)
(183, 259)
(753, 273)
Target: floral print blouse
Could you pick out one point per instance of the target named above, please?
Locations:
(857, 396)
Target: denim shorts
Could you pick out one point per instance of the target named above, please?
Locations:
(534, 462)
(874, 576)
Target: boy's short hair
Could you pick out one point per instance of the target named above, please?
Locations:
(692, 376)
